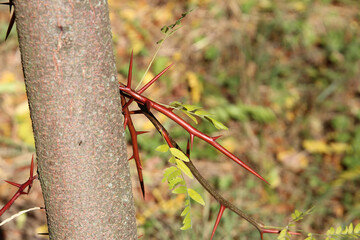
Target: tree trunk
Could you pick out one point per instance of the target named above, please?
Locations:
(71, 83)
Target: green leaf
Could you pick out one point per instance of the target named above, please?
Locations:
(164, 29)
(196, 196)
(357, 228)
(185, 227)
(172, 160)
(179, 154)
(187, 218)
(216, 123)
(351, 228)
(185, 211)
(331, 231)
(190, 108)
(186, 222)
(175, 104)
(162, 148)
(184, 168)
(190, 116)
(282, 234)
(201, 113)
(175, 174)
(167, 172)
(180, 190)
(338, 230)
(175, 181)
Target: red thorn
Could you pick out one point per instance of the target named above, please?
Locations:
(14, 184)
(132, 157)
(221, 211)
(32, 167)
(141, 132)
(142, 188)
(11, 24)
(215, 138)
(188, 149)
(154, 79)
(130, 71)
(127, 104)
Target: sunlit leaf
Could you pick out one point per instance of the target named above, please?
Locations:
(184, 168)
(180, 190)
(179, 154)
(172, 160)
(190, 108)
(185, 211)
(186, 222)
(357, 228)
(216, 123)
(351, 228)
(167, 172)
(190, 116)
(196, 196)
(162, 148)
(174, 174)
(331, 231)
(175, 181)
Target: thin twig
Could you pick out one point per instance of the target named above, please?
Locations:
(19, 213)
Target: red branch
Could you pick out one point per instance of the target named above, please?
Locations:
(136, 96)
(21, 187)
(145, 106)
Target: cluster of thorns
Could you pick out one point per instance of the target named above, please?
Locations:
(128, 96)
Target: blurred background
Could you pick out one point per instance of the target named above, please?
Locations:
(283, 75)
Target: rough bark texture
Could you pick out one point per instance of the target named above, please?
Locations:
(71, 83)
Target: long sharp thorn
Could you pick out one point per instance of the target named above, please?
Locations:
(14, 184)
(130, 71)
(217, 137)
(154, 79)
(142, 188)
(188, 149)
(132, 157)
(221, 211)
(11, 24)
(141, 132)
(32, 167)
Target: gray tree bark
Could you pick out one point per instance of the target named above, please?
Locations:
(71, 83)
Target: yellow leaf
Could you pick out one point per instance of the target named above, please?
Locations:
(339, 148)
(316, 146)
(195, 85)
